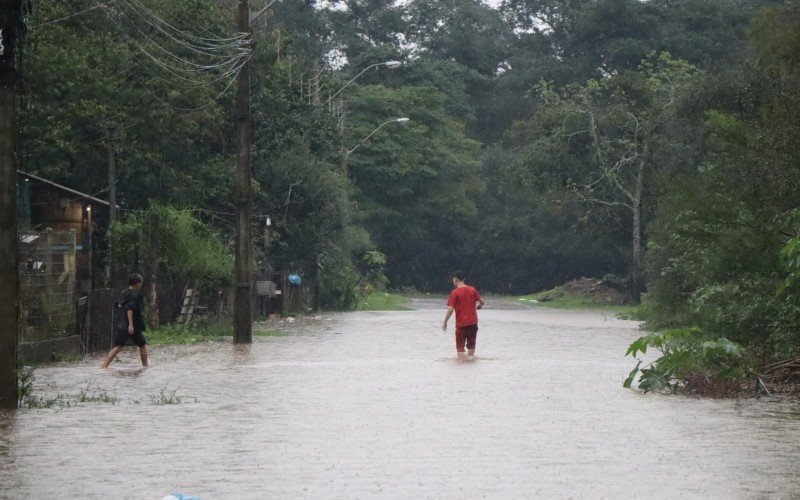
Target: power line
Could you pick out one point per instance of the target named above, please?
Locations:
(183, 73)
(234, 60)
(72, 15)
(188, 35)
(238, 50)
(203, 48)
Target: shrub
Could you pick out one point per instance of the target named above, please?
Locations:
(340, 286)
(689, 360)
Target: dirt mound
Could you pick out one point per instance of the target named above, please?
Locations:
(591, 288)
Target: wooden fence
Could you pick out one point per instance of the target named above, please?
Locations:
(95, 320)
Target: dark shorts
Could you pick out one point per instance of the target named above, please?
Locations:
(468, 335)
(121, 338)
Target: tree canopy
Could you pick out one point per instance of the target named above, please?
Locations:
(547, 139)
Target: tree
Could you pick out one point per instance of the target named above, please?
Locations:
(175, 248)
(598, 143)
(717, 240)
(412, 181)
(97, 79)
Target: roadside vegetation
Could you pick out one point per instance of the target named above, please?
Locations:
(384, 301)
(691, 362)
(198, 333)
(582, 294)
(27, 398)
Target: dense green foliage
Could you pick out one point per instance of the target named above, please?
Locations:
(547, 140)
(727, 217)
(174, 237)
(173, 249)
(689, 359)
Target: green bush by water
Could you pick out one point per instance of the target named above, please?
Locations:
(690, 359)
(384, 301)
(191, 334)
(560, 300)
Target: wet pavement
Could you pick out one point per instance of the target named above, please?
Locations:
(374, 405)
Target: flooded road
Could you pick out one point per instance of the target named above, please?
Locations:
(374, 405)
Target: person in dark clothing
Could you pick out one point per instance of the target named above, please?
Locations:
(128, 321)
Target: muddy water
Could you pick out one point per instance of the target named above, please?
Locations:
(367, 405)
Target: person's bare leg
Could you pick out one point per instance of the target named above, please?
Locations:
(462, 356)
(470, 353)
(111, 356)
(143, 355)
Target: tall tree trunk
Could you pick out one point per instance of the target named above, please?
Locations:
(9, 240)
(637, 270)
(154, 256)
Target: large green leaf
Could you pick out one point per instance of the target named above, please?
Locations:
(631, 376)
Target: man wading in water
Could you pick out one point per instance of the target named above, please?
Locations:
(128, 321)
(465, 301)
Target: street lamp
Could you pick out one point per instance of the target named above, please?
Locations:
(388, 64)
(396, 120)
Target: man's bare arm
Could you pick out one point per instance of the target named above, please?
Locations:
(447, 318)
(481, 303)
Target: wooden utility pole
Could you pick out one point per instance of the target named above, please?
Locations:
(112, 182)
(243, 300)
(9, 240)
(154, 256)
(112, 209)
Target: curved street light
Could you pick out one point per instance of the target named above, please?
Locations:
(388, 64)
(396, 120)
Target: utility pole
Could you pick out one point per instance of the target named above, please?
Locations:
(243, 272)
(10, 14)
(112, 208)
(243, 300)
(112, 182)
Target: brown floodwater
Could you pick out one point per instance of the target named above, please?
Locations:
(374, 405)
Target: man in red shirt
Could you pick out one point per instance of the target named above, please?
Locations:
(465, 301)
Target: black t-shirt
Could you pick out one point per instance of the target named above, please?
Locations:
(130, 300)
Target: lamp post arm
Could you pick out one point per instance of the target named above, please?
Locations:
(350, 151)
(253, 17)
(354, 79)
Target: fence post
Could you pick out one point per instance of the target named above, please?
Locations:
(70, 266)
(48, 279)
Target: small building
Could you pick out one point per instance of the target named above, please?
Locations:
(59, 268)
(43, 204)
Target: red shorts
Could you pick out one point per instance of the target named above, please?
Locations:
(466, 334)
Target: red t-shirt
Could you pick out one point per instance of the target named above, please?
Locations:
(463, 299)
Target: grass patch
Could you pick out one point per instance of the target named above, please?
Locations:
(26, 398)
(165, 397)
(269, 333)
(179, 334)
(196, 334)
(62, 357)
(554, 299)
(384, 301)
